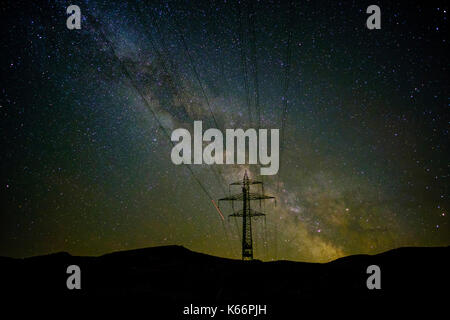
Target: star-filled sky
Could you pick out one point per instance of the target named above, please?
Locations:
(85, 161)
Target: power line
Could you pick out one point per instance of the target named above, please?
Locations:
(285, 104)
(197, 76)
(170, 61)
(144, 99)
(216, 174)
(149, 107)
(244, 63)
(287, 66)
(251, 21)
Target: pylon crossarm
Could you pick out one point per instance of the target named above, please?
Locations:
(240, 215)
(240, 183)
(251, 196)
(251, 213)
(257, 196)
(257, 214)
(235, 215)
(237, 197)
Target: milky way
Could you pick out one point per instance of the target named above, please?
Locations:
(85, 115)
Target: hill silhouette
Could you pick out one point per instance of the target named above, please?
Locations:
(178, 276)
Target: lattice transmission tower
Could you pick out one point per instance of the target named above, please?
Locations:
(247, 213)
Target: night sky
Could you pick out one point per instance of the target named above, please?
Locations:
(86, 167)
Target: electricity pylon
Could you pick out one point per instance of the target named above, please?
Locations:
(246, 213)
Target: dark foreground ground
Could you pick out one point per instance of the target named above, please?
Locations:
(164, 280)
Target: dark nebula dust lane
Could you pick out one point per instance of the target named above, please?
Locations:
(85, 161)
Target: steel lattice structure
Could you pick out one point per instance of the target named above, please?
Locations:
(247, 213)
